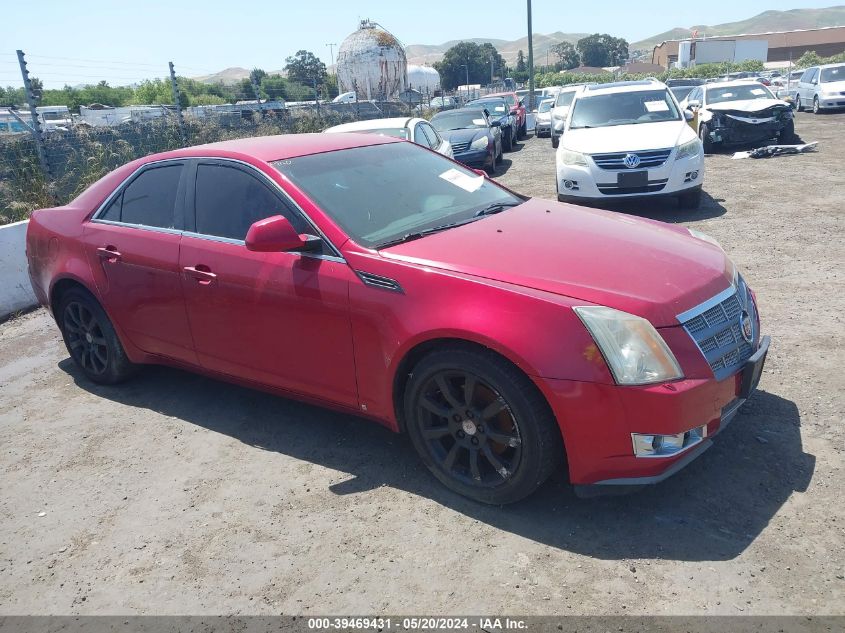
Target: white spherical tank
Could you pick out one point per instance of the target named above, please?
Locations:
(423, 78)
(372, 63)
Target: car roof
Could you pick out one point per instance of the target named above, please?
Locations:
(623, 86)
(735, 82)
(270, 148)
(832, 65)
(372, 124)
(502, 94)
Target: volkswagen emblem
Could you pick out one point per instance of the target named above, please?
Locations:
(746, 327)
(631, 161)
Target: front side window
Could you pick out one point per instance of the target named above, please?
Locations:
(564, 99)
(419, 136)
(431, 134)
(229, 200)
(382, 193)
(624, 108)
(149, 200)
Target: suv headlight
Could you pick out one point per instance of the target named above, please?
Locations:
(479, 143)
(689, 149)
(704, 237)
(633, 349)
(568, 157)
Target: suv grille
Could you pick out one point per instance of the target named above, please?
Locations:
(460, 147)
(716, 328)
(649, 159)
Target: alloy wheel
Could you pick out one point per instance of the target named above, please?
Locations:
(85, 338)
(469, 429)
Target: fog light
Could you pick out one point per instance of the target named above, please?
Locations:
(693, 175)
(568, 184)
(653, 445)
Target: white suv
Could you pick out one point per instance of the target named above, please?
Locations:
(628, 139)
(821, 87)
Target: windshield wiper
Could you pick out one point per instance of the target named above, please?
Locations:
(410, 237)
(496, 207)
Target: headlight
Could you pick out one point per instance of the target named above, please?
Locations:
(568, 157)
(633, 349)
(479, 143)
(689, 149)
(704, 237)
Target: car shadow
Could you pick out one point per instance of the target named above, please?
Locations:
(665, 209)
(712, 510)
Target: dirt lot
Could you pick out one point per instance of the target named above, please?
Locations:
(178, 494)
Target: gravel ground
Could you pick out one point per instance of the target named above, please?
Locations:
(176, 494)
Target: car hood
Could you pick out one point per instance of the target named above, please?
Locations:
(747, 105)
(627, 138)
(832, 86)
(463, 136)
(643, 267)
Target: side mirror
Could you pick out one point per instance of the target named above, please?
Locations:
(496, 123)
(689, 115)
(276, 234)
(695, 103)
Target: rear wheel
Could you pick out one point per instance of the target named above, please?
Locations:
(480, 426)
(91, 339)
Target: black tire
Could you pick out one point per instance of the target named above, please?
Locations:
(523, 130)
(787, 134)
(817, 108)
(90, 338)
(704, 135)
(555, 141)
(491, 169)
(503, 421)
(798, 105)
(507, 139)
(690, 200)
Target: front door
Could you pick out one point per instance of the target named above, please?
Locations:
(132, 248)
(279, 319)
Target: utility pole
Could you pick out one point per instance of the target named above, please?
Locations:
(175, 89)
(530, 61)
(331, 52)
(37, 134)
(491, 72)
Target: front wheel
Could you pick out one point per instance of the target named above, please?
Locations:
(480, 426)
(555, 141)
(817, 108)
(787, 134)
(91, 339)
(798, 105)
(507, 140)
(691, 200)
(706, 141)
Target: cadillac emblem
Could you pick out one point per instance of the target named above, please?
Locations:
(746, 327)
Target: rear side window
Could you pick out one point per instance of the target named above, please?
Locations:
(229, 201)
(149, 200)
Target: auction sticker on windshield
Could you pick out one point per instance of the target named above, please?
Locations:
(465, 182)
(656, 106)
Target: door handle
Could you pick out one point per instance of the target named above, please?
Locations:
(109, 253)
(201, 273)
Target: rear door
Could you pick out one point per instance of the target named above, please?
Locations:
(279, 319)
(132, 246)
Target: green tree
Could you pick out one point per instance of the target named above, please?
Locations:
(257, 75)
(521, 66)
(810, 58)
(600, 49)
(11, 96)
(275, 87)
(567, 56)
(305, 68)
(475, 57)
(37, 89)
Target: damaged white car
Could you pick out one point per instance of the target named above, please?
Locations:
(738, 113)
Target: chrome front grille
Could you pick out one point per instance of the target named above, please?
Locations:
(460, 147)
(649, 159)
(716, 328)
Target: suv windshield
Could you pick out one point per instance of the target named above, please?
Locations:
(545, 106)
(564, 98)
(623, 108)
(458, 120)
(837, 73)
(416, 191)
(497, 108)
(738, 93)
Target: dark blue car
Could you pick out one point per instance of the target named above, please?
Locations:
(499, 110)
(476, 140)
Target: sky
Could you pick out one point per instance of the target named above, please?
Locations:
(123, 42)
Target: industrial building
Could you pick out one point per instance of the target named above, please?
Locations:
(780, 46)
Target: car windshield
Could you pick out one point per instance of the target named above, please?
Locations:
(738, 93)
(681, 92)
(497, 108)
(459, 120)
(384, 193)
(837, 73)
(545, 106)
(509, 99)
(397, 132)
(564, 98)
(623, 108)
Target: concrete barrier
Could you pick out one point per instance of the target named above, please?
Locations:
(15, 289)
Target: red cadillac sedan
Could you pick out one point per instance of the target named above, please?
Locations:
(507, 336)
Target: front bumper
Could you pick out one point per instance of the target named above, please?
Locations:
(475, 158)
(832, 101)
(674, 177)
(597, 422)
(743, 133)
